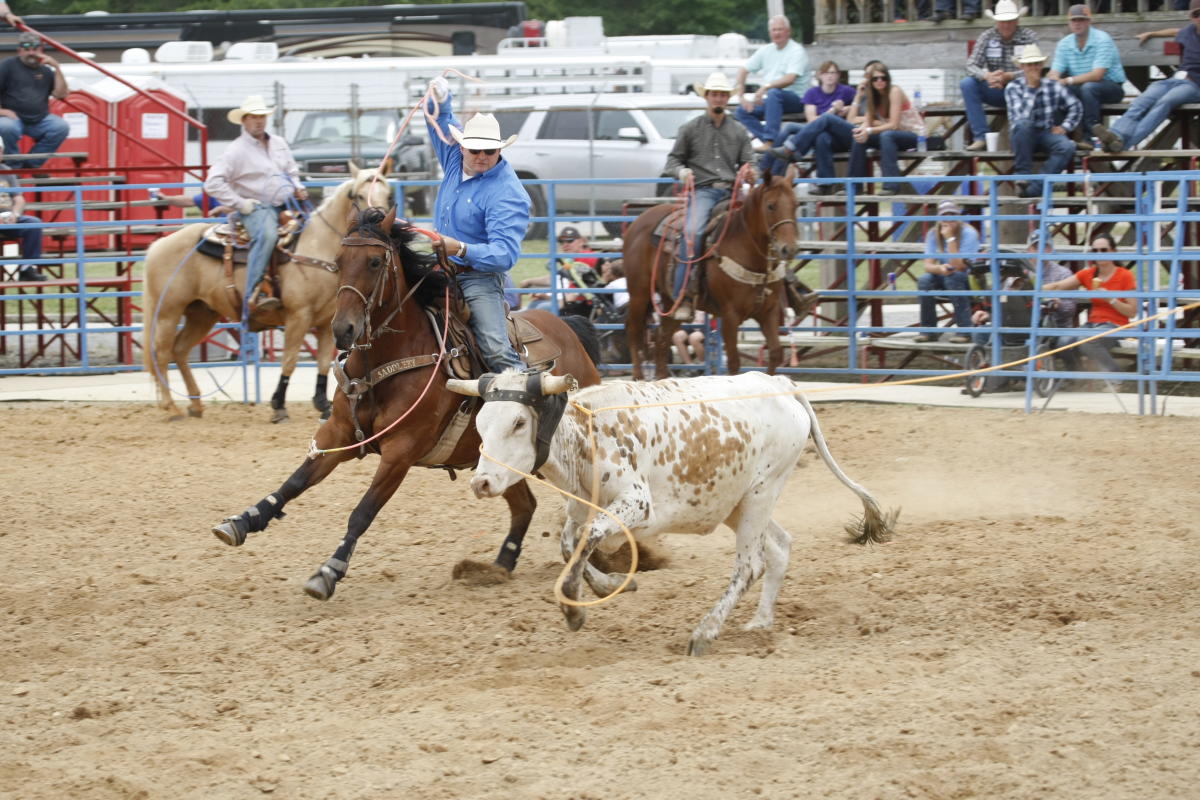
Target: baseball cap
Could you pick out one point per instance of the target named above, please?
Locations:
(569, 233)
(948, 207)
(1079, 11)
(29, 38)
(1035, 238)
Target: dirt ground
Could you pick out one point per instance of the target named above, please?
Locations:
(1032, 631)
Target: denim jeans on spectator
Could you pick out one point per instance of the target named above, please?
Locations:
(765, 120)
(890, 143)
(969, 9)
(777, 166)
(484, 293)
(47, 135)
(1151, 108)
(1026, 140)
(901, 9)
(824, 136)
(930, 284)
(30, 238)
(699, 210)
(1098, 350)
(1092, 94)
(263, 226)
(976, 94)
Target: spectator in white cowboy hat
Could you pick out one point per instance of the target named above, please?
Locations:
(1034, 107)
(481, 212)
(1088, 64)
(27, 82)
(1154, 105)
(991, 67)
(786, 76)
(710, 149)
(256, 176)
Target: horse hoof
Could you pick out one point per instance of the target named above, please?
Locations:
(195, 413)
(280, 415)
(229, 533)
(321, 585)
(325, 414)
(323, 405)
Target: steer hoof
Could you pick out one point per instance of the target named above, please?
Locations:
(230, 533)
(280, 415)
(699, 647)
(575, 616)
(322, 584)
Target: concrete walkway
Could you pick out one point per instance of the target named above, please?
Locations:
(224, 384)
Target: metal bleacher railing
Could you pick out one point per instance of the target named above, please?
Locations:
(850, 243)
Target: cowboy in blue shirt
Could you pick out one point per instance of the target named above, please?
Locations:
(481, 212)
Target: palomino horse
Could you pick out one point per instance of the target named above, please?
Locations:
(402, 408)
(744, 270)
(196, 291)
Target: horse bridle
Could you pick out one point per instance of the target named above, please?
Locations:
(370, 303)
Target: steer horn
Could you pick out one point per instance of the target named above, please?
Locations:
(458, 386)
(557, 384)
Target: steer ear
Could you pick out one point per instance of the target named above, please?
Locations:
(469, 388)
(557, 384)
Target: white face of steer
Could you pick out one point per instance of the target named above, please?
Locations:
(508, 430)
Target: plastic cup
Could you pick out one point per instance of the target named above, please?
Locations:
(993, 141)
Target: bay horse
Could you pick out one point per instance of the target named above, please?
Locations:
(183, 282)
(402, 406)
(744, 264)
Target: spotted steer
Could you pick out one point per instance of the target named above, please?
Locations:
(674, 456)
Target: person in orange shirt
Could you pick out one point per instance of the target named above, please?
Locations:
(1102, 274)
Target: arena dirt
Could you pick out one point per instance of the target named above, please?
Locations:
(1032, 632)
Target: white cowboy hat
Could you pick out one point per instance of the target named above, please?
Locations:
(1006, 10)
(482, 132)
(715, 82)
(254, 104)
(1032, 54)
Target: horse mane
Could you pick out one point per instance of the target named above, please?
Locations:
(415, 265)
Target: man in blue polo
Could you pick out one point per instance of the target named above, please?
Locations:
(482, 212)
(1153, 106)
(1087, 64)
(786, 76)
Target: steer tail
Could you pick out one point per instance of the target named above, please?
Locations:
(875, 525)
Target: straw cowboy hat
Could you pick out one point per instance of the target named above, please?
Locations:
(1006, 10)
(715, 82)
(1032, 54)
(482, 132)
(254, 104)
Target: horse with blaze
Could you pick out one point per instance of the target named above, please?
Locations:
(402, 407)
(744, 265)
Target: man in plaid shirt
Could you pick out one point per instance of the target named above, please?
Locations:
(1035, 107)
(991, 67)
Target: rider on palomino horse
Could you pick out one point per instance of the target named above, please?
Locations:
(256, 175)
(482, 212)
(709, 150)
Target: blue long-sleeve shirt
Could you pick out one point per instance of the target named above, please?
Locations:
(488, 211)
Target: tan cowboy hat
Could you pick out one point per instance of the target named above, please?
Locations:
(254, 104)
(1006, 10)
(715, 82)
(482, 132)
(1032, 54)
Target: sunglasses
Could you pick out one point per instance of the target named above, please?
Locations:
(1195, 14)
(1101, 250)
(30, 46)
(491, 152)
(884, 78)
(565, 241)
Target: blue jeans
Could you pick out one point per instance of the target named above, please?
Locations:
(1151, 108)
(929, 285)
(484, 293)
(1098, 350)
(764, 121)
(976, 94)
(1092, 95)
(825, 135)
(890, 143)
(699, 210)
(47, 134)
(969, 9)
(263, 226)
(1026, 140)
(30, 238)
(777, 166)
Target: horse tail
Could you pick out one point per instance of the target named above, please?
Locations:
(875, 525)
(585, 331)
